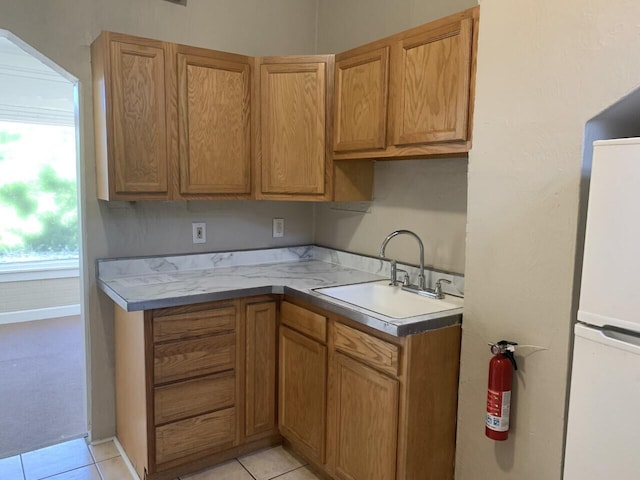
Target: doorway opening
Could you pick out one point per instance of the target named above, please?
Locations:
(43, 395)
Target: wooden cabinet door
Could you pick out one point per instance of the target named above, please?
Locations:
(260, 397)
(214, 123)
(363, 406)
(137, 132)
(293, 128)
(431, 82)
(302, 392)
(361, 91)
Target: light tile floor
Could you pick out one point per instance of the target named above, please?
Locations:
(72, 460)
(75, 460)
(277, 462)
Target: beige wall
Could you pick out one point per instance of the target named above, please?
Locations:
(428, 197)
(63, 31)
(36, 294)
(544, 69)
(148, 228)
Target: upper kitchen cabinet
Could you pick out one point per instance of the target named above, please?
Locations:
(293, 151)
(432, 85)
(130, 112)
(409, 95)
(174, 122)
(214, 123)
(361, 82)
(171, 121)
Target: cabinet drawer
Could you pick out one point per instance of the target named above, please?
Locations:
(190, 358)
(194, 397)
(194, 324)
(304, 321)
(207, 434)
(376, 352)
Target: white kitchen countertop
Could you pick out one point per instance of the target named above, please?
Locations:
(158, 282)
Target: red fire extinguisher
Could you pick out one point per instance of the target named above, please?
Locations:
(499, 391)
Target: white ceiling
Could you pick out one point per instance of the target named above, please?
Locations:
(31, 91)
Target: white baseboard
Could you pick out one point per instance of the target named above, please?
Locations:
(39, 314)
(125, 459)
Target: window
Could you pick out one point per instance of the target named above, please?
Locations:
(38, 204)
(38, 189)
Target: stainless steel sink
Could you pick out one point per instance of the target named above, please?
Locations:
(385, 299)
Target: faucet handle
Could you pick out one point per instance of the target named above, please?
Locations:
(438, 289)
(405, 278)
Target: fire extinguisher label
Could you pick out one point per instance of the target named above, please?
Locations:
(498, 406)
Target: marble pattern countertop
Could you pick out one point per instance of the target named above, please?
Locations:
(158, 282)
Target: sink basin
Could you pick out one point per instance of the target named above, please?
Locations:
(380, 297)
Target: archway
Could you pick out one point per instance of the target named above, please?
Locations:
(42, 341)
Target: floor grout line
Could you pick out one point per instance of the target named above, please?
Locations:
(93, 462)
(287, 473)
(67, 471)
(247, 470)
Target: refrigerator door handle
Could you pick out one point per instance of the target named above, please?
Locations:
(610, 337)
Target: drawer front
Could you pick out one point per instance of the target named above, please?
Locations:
(205, 434)
(194, 324)
(304, 321)
(372, 350)
(190, 358)
(194, 397)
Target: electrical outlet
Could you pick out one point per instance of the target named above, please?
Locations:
(199, 232)
(278, 227)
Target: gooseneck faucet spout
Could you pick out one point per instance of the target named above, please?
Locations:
(421, 279)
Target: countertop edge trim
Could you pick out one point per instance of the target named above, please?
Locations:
(430, 322)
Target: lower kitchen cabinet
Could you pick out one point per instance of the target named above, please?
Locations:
(302, 380)
(391, 402)
(261, 369)
(364, 404)
(199, 384)
(195, 385)
(303, 371)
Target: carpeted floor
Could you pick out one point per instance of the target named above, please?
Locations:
(42, 384)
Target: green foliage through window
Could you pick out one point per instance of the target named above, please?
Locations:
(38, 199)
(7, 138)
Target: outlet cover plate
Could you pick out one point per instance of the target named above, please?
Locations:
(199, 231)
(278, 227)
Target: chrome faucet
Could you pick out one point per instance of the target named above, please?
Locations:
(394, 274)
(421, 280)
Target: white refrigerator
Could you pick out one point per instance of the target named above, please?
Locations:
(603, 431)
